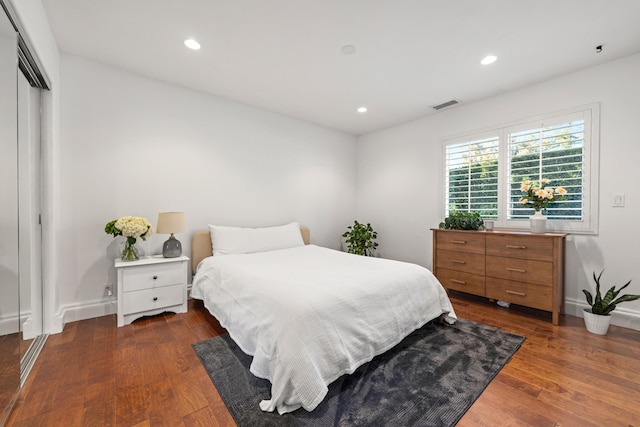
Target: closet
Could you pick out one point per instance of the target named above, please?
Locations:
(9, 261)
(22, 83)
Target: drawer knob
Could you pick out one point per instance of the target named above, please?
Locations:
(155, 277)
(459, 242)
(460, 282)
(457, 261)
(516, 246)
(155, 298)
(517, 270)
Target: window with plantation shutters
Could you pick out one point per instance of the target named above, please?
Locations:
(554, 151)
(472, 176)
(484, 171)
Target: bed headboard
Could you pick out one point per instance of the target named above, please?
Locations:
(201, 246)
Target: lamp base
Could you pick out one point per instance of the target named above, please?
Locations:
(172, 248)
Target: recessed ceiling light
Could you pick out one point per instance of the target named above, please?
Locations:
(192, 44)
(348, 49)
(489, 59)
(362, 109)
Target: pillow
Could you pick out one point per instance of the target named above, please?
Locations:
(236, 240)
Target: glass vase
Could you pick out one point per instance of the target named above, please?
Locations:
(130, 251)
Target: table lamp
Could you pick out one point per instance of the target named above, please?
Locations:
(170, 223)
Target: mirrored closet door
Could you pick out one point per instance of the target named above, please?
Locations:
(22, 83)
(9, 260)
(30, 234)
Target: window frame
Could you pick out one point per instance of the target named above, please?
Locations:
(590, 113)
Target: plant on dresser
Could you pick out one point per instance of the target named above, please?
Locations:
(598, 317)
(462, 220)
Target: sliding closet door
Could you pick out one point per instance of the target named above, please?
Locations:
(9, 264)
(29, 196)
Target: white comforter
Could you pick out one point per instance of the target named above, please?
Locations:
(309, 314)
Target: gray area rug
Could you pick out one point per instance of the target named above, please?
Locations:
(430, 378)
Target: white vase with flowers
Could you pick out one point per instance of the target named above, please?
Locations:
(538, 195)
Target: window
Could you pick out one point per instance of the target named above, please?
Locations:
(472, 176)
(483, 171)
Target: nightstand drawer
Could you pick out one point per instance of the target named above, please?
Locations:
(460, 261)
(149, 299)
(521, 270)
(525, 247)
(465, 282)
(535, 296)
(471, 242)
(151, 276)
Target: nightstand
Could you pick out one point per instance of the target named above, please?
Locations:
(151, 285)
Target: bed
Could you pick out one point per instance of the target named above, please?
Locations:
(309, 314)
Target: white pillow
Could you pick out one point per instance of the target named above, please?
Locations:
(236, 240)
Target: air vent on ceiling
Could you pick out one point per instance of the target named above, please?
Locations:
(446, 104)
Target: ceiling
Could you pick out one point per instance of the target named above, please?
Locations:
(285, 55)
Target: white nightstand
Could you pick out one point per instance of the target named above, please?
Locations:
(151, 285)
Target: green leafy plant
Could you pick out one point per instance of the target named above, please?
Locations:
(461, 220)
(604, 306)
(360, 239)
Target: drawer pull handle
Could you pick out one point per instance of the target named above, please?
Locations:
(459, 242)
(516, 246)
(155, 298)
(457, 261)
(460, 282)
(520, 294)
(155, 277)
(517, 270)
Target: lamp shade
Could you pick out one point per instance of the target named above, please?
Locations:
(170, 223)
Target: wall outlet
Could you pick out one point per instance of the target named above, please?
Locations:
(108, 290)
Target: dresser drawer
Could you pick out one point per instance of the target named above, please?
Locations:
(150, 276)
(521, 270)
(472, 242)
(515, 246)
(149, 299)
(527, 294)
(460, 261)
(459, 281)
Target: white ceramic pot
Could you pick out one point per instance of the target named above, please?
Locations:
(596, 323)
(538, 223)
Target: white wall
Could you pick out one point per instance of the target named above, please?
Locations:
(130, 145)
(400, 175)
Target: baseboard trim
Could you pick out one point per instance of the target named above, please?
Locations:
(76, 312)
(620, 317)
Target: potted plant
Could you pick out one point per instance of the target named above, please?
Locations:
(598, 317)
(360, 239)
(462, 220)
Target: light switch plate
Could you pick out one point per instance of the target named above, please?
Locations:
(618, 200)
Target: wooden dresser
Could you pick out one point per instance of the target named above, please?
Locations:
(514, 266)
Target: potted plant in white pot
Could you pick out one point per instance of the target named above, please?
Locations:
(598, 317)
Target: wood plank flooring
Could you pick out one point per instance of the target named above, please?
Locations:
(147, 374)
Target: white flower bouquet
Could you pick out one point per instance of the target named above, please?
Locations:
(133, 228)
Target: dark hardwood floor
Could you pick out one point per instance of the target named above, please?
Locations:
(147, 374)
